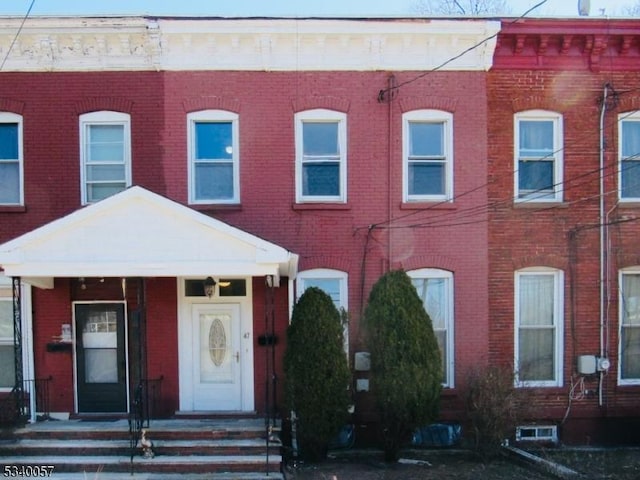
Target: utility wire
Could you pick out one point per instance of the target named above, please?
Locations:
(480, 209)
(15, 38)
(382, 93)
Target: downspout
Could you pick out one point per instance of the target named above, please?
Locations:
(603, 111)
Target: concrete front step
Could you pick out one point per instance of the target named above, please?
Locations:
(75, 447)
(210, 447)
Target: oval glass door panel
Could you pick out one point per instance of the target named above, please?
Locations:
(216, 361)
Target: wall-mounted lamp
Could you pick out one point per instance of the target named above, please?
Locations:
(209, 286)
(83, 285)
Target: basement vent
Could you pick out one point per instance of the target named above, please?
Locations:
(537, 433)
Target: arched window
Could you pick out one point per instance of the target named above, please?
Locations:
(629, 311)
(427, 156)
(333, 282)
(435, 289)
(321, 156)
(105, 154)
(11, 161)
(539, 319)
(538, 156)
(214, 157)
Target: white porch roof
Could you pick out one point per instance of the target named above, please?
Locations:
(137, 233)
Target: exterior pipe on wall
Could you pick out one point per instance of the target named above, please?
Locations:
(602, 243)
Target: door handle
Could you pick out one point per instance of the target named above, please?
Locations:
(237, 355)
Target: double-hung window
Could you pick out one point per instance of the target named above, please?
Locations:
(629, 350)
(435, 289)
(539, 321)
(428, 156)
(11, 164)
(538, 152)
(321, 156)
(213, 149)
(629, 155)
(105, 154)
(333, 283)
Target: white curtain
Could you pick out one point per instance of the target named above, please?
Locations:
(536, 334)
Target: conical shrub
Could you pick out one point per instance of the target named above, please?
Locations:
(406, 372)
(317, 372)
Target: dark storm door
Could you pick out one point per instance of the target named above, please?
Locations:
(100, 357)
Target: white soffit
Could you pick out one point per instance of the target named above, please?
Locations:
(140, 233)
(250, 44)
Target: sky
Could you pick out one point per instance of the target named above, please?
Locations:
(286, 8)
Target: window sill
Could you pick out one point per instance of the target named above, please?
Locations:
(13, 208)
(216, 207)
(539, 205)
(321, 206)
(628, 204)
(436, 205)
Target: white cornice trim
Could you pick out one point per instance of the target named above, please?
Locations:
(142, 43)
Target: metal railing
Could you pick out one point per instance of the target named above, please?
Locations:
(31, 401)
(144, 407)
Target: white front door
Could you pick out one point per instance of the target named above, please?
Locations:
(216, 357)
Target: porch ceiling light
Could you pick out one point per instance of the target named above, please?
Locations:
(209, 286)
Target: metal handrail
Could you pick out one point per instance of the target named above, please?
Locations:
(143, 408)
(16, 407)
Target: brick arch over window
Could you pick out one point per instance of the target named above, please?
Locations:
(211, 103)
(441, 262)
(336, 104)
(628, 103)
(627, 260)
(535, 102)
(549, 261)
(428, 103)
(10, 105)
(96, 104)
(333, 262)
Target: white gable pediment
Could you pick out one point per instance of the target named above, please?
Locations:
(140, 233)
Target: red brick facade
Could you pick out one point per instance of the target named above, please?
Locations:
(482, 237)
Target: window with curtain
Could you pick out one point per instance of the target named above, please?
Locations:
(11, 164)
(539, 316)
(435, 289)
(214, 156)
(629, 156)
(321, 156)
(629, 349)
(105, 154)
(428, 156)
(538, 150)
(333, 283)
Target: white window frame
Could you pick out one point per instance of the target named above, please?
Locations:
(558, 325)
(103, 117)
(428, 116)
(328, 116)
(622, 325)
(449, 317)
(8, 117)
(623, 118)
(302, 283)
(213, 116)
(556, 193)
